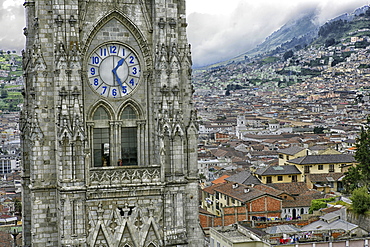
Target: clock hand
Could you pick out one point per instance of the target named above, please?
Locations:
(120, 62)
(117, 77)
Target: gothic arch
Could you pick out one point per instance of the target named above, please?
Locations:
(134, 105)
(105, 105)
(178, 131)
(135, 31)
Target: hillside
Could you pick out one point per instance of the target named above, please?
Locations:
(302, 31)
(337, 42)
(10, 81)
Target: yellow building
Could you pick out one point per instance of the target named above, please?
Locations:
(316, 164)
(290, 153)
(330, 167)
(279, 174)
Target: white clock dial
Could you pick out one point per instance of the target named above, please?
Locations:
(113, 70)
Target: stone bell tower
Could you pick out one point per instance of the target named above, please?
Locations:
(108, 126)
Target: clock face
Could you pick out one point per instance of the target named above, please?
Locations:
(113, 70)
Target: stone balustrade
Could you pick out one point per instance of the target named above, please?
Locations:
(117, 176)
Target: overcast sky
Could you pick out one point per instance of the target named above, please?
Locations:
(217, 29)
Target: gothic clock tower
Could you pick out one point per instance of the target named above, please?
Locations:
(108, 125)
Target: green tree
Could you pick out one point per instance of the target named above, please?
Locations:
(318, 130)
(4, 94)
(360, 200)
(18, 206)
(359, 175)
(288, 55)
(319, 203)
(329, 42)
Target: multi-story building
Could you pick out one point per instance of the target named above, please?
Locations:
(290, 153)
(324, 170)
(248, 201)
(8, 163)
(279, 174)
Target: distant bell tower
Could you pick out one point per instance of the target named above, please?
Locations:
(109, 131)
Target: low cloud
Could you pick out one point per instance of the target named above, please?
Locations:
(236, 27)
(219, 37)
(11, 25)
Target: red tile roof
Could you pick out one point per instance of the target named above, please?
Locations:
(220, 180)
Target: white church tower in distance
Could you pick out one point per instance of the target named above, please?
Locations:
(108, 126)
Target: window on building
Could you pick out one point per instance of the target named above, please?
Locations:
(331, 168)
(101, 148)
(294, 178)
(306, 169)
(212, 243)
(287, 157)
(269, 180)
(321, 167)
(115, 143)
(128, 137)
(281, 156)
(280, 178)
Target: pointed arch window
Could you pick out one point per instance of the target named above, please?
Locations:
(101, 140)
(129, 144)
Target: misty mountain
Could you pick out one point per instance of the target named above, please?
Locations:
(297, 33)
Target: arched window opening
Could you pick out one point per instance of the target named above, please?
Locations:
(128, 113)
(129, 134)
(101, 149)
(100, 114)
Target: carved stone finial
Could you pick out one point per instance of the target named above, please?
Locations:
(36, 23)
(59, 21)
(172, 23)
(25, 31)
(161, 23)
(72, 21)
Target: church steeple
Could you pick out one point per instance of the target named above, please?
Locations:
(109, 129)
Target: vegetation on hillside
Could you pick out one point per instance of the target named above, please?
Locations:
(10, 69)
(359, 176)
(320, 203)
(334, 32)
(360, 200)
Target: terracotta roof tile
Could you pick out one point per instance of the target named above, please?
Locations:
(325, 177)
(295, 188)
(302, 200)
(241, 192)
(220, 180)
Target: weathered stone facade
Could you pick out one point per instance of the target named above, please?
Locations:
(76, 192)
